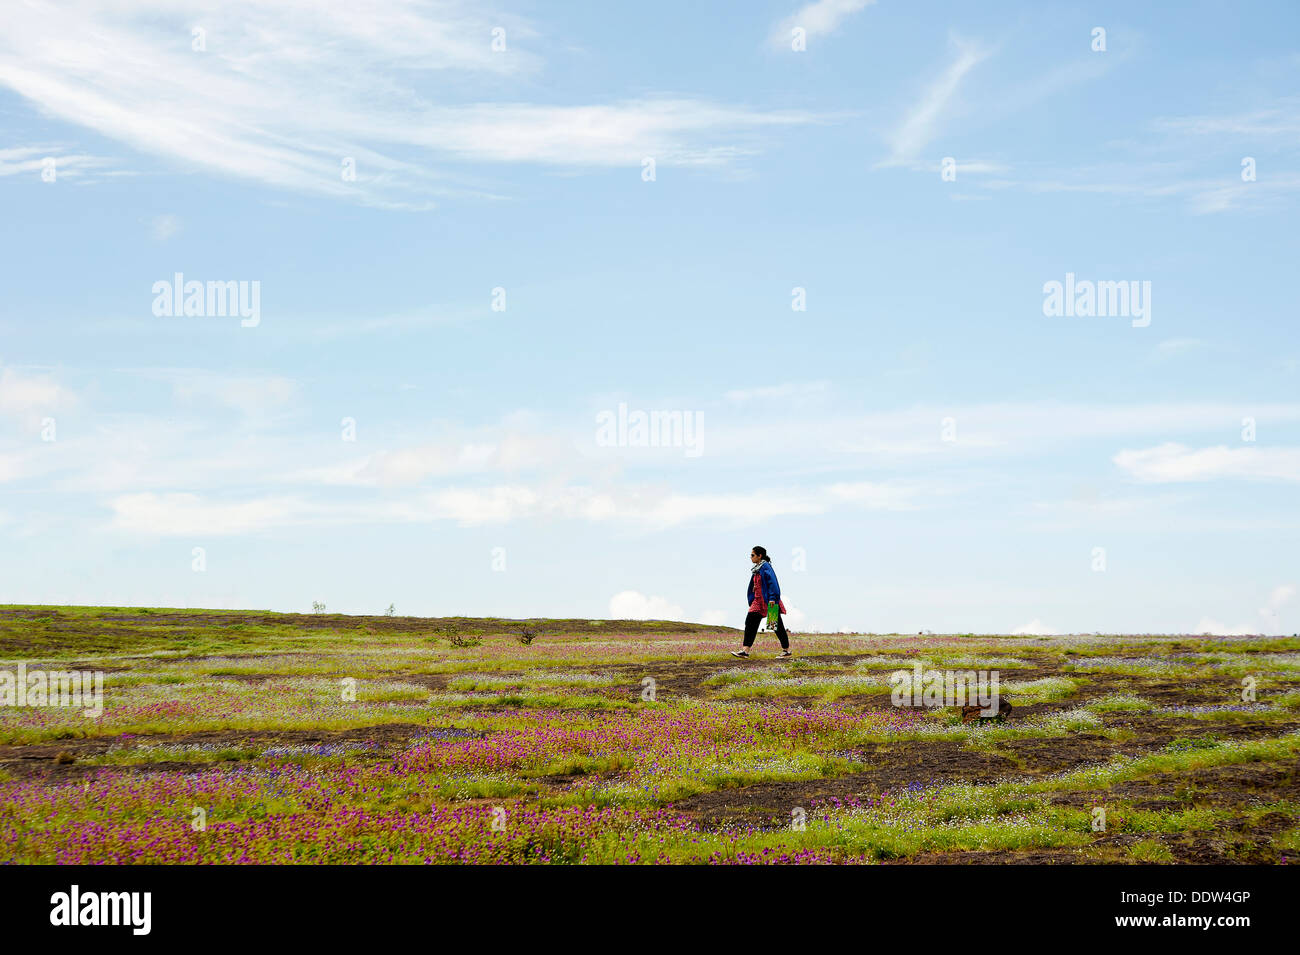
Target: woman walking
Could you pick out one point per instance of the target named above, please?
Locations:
(762, 589)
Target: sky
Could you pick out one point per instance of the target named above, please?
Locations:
(979, 317)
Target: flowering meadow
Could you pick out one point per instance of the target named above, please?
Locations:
(269, 738)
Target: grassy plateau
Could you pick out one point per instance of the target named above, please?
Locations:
(250, 736)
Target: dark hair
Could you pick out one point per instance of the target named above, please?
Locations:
(762, 553)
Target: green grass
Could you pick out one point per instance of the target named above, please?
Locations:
(252, 675)
(1120, 703)
(1045, 690)
(1150, 850)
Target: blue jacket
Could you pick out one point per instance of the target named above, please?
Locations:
(771, 589)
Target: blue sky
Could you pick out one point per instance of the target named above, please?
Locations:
(920, 447)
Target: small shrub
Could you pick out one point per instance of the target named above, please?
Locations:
(527, 636)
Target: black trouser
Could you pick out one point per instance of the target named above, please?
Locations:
(751, 629)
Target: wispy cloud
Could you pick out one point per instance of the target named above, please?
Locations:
(1281, 595)
(817, 19)
(181, 513)
(643, 507)
(164, 227)
(1171, 462)
(963, 167)
(40, 160)
(184, 440)
(1215, 628)
(1210, 184)
(1015, 426)
(27, 395)
(1204, 195)
(512, 451)
(1269, 616)
(285, 93)
(786, 390)
(252, 395)
(1279, 119)
(921, 123)
(1035, 628)
(634, 605)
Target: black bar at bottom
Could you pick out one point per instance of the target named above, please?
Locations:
(333, 904)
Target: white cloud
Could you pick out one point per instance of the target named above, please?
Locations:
(1215, 628)
(507, 452)
(1280, 596)
(673, 131)
(165, 226)
(874, 496)
(1271, 613)
(284, 92)
(1035, 628)
(962, 167)
(1205, 195)
(641, 507)
(28, 397)
(796, 620)
(522, 470)
(753, 507)
(820, 18)
(14, 467)
(1171, 462)
(716, 618)
(397, 323)
(1282, 119)
(184, 513)
(188, 514)
(634, 605)
(1166, 167)
(787, 390)
(498, 505)
(1005, 428)
(1269, 616)
(31, 160)
(252, 395)
(920, 125)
